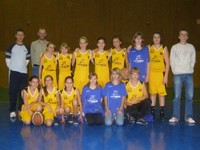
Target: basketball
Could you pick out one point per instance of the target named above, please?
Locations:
(125, 73)
(37, 119)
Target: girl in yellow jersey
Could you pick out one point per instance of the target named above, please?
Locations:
(50, 102)
(48, 64)
(30, 98)
(158, 73)
(119, 55)
(82, 58)
(101, 58)
(71, 101)
(64, 62)
(137, 102)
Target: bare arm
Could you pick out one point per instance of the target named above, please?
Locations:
(73, 58)
(166, 58)
(40, 69)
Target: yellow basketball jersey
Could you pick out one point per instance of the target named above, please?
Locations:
(82, 65)
(134, 92)
(31, 98)
(118, 58)
(68, 98)
(49, 64)
(51, 97)
(64, 62)
(156, 59)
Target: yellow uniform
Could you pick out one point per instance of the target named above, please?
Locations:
(134, 92)
(32, 101)
(49, 68)
(81, 72)
(156, 70)
(52, 101)
(64, 62)
(101, 67)
(118, 58)
(68, 98)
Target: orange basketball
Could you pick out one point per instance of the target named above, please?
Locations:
(125, 73)
(37, 119)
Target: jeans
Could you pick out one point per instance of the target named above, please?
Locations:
(119, 119)
(187, 80)
(35, 71)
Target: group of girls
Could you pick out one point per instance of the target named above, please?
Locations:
(79, 94)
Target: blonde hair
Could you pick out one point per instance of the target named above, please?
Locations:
(50, 44)
(83, 38)
(135, 69)
(117, 71)
(65, 46)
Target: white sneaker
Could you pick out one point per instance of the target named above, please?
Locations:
(13, 114)
(173, 120)
(189, 120)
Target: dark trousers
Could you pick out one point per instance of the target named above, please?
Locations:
(94, 118)
(18, 81)
(139, 110)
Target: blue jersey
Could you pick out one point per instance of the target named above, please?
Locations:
(114, 94)
(139, 59)
(91, 100)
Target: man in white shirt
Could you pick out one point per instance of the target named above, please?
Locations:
(37, 47)
(17, 59)
(182, 60)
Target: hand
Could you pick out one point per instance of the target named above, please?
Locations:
(77, 49)
(146, 79)
(107, 113)
(40, 81)
(165, 81)
(119, 111)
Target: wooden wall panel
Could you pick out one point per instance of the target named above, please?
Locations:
(67, 20)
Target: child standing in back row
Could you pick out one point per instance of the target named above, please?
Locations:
(101, 58)
(64, 62)
(82, 58)
(158, 73)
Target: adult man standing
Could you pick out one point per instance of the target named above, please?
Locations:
(37, 47)
(182, 59)
(17, 59)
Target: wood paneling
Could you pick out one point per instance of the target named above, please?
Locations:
(67, 20)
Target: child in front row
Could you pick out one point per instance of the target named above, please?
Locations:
(71, 101)
(114, 97)
(30, 98)
(92, 101)
(49, 98)
(138, 103)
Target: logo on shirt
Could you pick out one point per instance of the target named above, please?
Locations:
(138, 59)
(115, 94)
(92, 99)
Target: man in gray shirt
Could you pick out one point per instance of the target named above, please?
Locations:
(17, 59)
(37, 47)
(182, 61)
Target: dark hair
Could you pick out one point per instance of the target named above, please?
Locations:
(135, 36)
(33, 77)
(101, 38)
(161, 40)
(45, 88)
(92, 74)
(19, 30)
(182, 30)
(117, 37)
(69, 77)
(51, 43)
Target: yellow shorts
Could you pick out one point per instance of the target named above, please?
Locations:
(155, 83)
(48, 115)
(25, 115)
(61, 81)
(80, 84)
(53, 74)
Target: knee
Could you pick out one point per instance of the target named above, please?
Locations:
(39, 108)
(67, 110)
(49, 123)
(108, 123)
(27, 122)
(120, 123)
